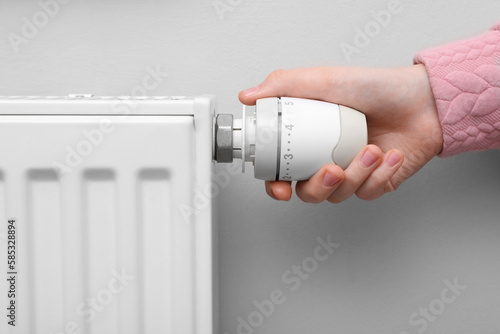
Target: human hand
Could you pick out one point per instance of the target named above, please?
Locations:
(404, 132)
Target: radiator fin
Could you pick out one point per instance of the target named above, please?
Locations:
(100, 231)
(46, 263)
(129, 252)
(155, 202)
(73, 255)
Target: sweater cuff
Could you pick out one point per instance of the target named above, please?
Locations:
(465, 81)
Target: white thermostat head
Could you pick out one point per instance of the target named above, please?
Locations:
(290, 138)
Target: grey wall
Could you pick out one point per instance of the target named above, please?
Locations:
(393, 255)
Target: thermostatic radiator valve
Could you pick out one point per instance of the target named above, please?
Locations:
(289, 138)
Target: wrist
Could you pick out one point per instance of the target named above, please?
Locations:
(429, 110)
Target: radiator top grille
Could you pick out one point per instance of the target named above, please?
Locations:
(94, 97)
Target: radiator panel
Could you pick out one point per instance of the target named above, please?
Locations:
(102, 246)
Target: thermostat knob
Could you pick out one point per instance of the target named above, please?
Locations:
(291, 139)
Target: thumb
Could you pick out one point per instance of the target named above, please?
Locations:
(354, 87)
(312, 83)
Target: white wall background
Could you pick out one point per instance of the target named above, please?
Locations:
(394, 253)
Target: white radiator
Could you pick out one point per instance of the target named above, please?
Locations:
(100, 232)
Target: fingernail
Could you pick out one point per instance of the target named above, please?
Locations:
(329, 180)
(250, 91)
(274, 196)
(393, 159)
(369, 158)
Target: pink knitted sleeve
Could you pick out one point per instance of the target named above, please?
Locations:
(465, 80)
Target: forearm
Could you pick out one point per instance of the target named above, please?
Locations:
(465, 80)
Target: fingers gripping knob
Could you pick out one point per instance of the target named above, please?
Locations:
(290, 138)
